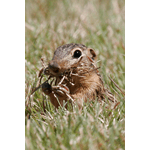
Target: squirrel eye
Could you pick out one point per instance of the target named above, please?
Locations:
(77, 54)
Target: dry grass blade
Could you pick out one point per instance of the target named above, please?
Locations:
(61, 80)
(117, 86)
(35, 89)
(113, 108)
(40, 72)
(70, 97)
(73, 74)
(91, 70)
(43, 64)
(77, 64)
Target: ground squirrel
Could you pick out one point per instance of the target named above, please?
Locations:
(74, 67)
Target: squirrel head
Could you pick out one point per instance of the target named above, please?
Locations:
(71, 56)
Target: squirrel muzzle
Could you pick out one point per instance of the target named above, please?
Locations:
(54, 68)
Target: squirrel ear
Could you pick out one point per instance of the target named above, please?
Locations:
(92, 53)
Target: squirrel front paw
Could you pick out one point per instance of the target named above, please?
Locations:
(46, 88)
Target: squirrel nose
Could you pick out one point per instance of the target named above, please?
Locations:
(54, 67)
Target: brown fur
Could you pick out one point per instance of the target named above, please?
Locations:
(83, 82)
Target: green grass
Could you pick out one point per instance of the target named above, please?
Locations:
(98, 24)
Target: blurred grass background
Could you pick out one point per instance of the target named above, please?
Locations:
(99, 24)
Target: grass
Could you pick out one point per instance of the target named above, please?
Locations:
(98, 24)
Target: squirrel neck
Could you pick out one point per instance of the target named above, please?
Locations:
(85, 87)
